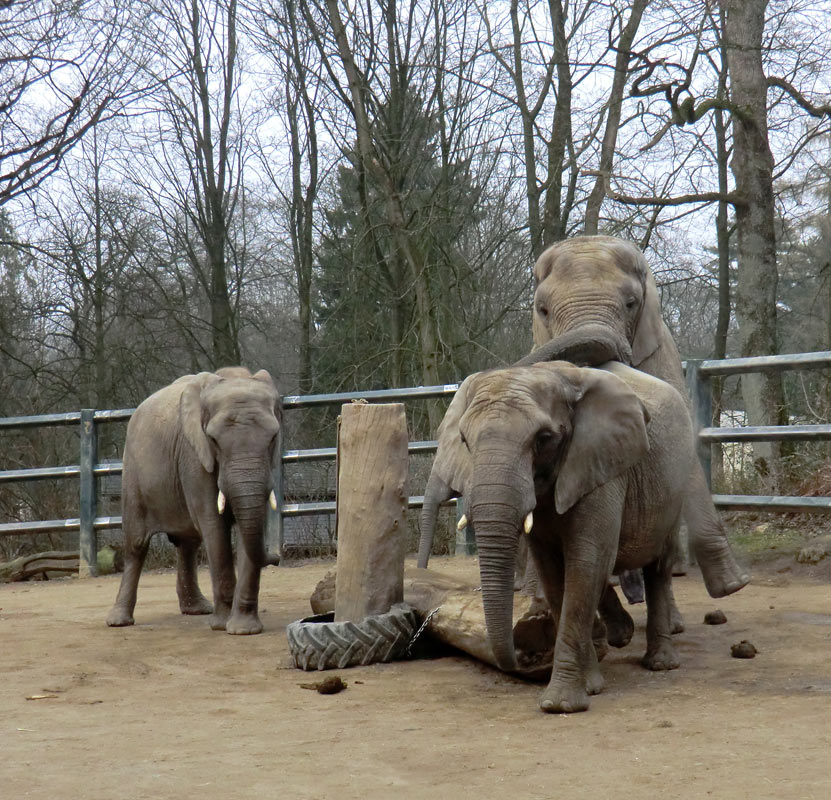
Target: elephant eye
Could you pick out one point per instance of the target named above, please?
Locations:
(631, 303)
(542, 311)
(543, 439)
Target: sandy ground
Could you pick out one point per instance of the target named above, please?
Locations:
(170, 709)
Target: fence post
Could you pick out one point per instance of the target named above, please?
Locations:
(88, 539)
(274, 520)
(701, 399)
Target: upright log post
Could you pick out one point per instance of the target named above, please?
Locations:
(371, 506)
(88, 539)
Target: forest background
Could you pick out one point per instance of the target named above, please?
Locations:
(352, 196)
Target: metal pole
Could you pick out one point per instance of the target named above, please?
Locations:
(88, 538)
(698, 387)
(274, 520)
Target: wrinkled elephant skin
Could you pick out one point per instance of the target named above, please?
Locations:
(198, 461)
(596, 300)
(588, 463)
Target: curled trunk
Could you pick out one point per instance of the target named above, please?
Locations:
(586, 346)
(435, 494)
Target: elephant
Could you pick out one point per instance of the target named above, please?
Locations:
(592, 464)
(596, 300)
(449, 473)
(198, 460)
(449, 477)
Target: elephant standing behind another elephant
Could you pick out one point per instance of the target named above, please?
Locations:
(198, 460)
(596, 301)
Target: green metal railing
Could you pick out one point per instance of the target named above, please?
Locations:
(698, 372)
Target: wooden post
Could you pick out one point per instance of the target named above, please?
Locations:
(371, 506)
(88, 539)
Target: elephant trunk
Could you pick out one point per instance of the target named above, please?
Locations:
(497, 510)
(248, 497)
(588, 345)
(435, 493)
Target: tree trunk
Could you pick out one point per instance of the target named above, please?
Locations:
(752, 167)
(555, 213)
(723, 246)
(607, 149)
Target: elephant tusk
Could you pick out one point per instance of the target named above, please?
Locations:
(220, 502)
(462, 523)
(272, 500)
(529, 522)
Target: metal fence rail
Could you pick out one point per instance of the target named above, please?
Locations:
(698, 372)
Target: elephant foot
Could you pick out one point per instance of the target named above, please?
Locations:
(218, 620)
(199, 605)
(721, 572)
(631, 584)
(559, 698)
(243, 625)
(676, 624)
(119, 618)
(620, 628)
(662, 657)
(595, 683)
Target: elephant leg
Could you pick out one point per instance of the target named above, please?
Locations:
(136, 543)
(191, 599)
(676, 620)
(217, 540)
(244, 619)
(708, 540)
(576, 672)
(660, 652)
(620, 626)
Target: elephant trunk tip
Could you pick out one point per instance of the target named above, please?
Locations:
(506, 661)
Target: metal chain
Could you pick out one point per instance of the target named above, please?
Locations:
(421, 630)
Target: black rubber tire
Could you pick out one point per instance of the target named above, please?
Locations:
(319, 643)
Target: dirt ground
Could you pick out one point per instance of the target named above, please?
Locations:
(170, 709)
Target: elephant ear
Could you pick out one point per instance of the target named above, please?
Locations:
(191, 417)
(264, 376)
(452, 456)
(608, 436)
(650, 328)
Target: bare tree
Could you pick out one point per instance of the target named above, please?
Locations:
(193, 159)
(65, 66)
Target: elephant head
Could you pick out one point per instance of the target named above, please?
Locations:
(231, 420)
(595, 301)
(450, 471)
(549, 435)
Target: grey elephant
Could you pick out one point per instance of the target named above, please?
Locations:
(449, 478)
(198, 461)
(596, 300)
(591, 464)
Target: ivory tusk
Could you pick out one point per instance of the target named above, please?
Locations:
(529, 522)
(272, 500)
(220, 502)
(462, 523)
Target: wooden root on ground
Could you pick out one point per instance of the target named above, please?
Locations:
(56, 564)
(460, 618)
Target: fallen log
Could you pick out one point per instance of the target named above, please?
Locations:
(56, 564)
(455, 616)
